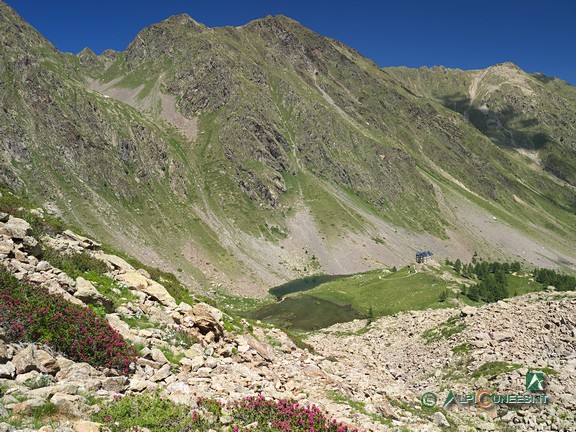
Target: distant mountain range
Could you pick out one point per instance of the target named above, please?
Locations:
(245, 156)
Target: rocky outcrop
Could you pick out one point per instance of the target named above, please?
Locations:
(15, 228)
(207, 318)
(86, 292)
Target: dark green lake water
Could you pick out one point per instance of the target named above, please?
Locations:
(305, 312)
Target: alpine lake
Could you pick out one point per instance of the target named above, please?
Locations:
(302, 311)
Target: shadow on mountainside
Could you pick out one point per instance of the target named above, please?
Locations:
(502, 126)
(509, 128)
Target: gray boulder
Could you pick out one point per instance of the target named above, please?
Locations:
(7, 370)
(25, 360)
(16, 228)
(206, 318)
(86, 292)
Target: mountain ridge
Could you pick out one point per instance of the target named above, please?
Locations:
(241, 153)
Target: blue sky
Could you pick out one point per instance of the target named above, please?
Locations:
(538, 36)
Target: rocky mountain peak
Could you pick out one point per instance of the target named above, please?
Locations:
(281, 27)
(86, 51)
(507, 65)
(87, 57)
(17, 35)
(162, 39)
(278, 20)
(286, 20)
(506, 70)
(184, 20)
(110, 54)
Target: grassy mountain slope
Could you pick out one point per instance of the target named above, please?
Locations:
(245, 156)
(97, 161)
(532, 114)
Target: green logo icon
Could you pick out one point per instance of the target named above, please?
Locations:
(535, 381)
(449, 399)
(429, 399)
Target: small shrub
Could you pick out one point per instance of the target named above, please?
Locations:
(549, 371)
(444, 296)
(42, 380)
(150, 411)
(171, 356)
(179, 336)
(211, 405)
(444, 330)
(284, 415)
(107, 286)
(370, 316)
(3, 388)
(494, 368)
(462, 348)
(74, 264)
(91, 399)
(48, 409)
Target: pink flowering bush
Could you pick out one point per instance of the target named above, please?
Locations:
(284, 416)
(30, 313)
